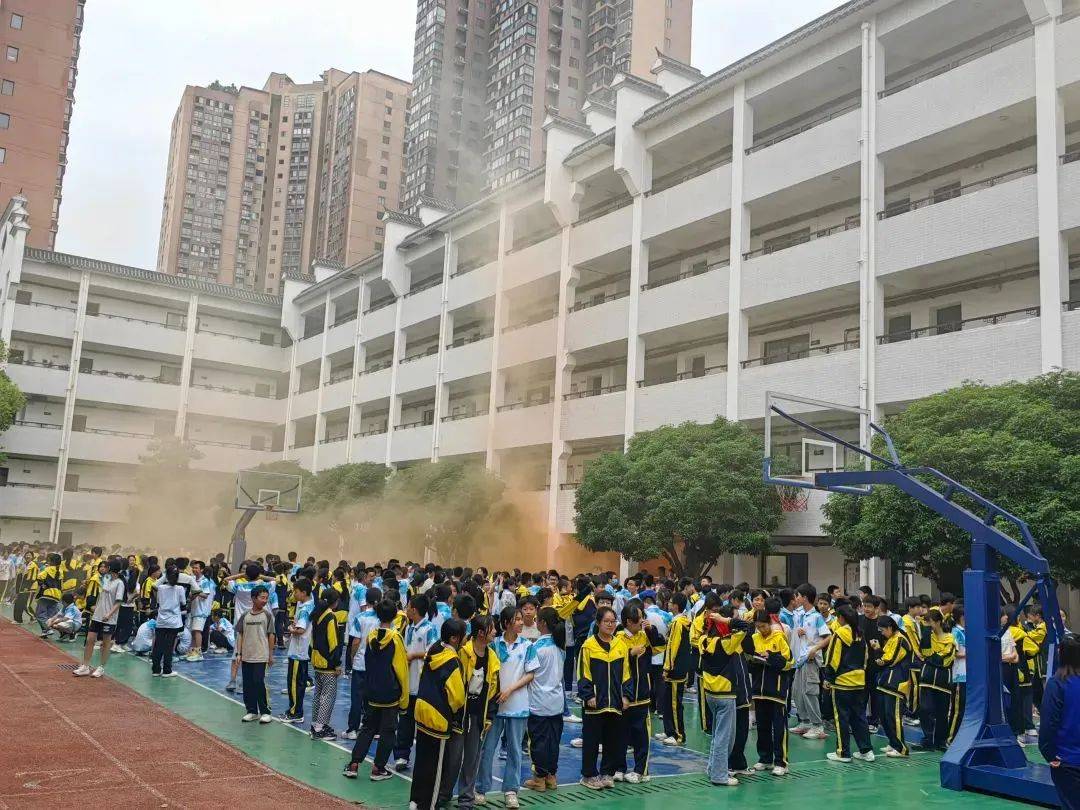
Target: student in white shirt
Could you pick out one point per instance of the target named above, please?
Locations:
(144, 638)
(362, 625)
(222, 634)
(171, 598)
(419, 635)
(103, 622)
(298, 650)
(546, 700)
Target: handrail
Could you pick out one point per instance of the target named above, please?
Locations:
(594, 392)
(663, 282)
(1071, 306)
(430, 350)
(227, 390)
(595, 303)
(104, 491)
(377, 366)
(375, 306)
(423, 286)
(772, 359)
(542, 317)
(457, 417)
(1070, 157)
(849, 224)
(341, 376)
(305, 388)
(27, 485)
(513, 406)
(213, 443)
(50, 306)
(130, 319)
(30, 423)
(691, 375)
(902, 208)
(606, 207)
(127, 434)
(348, 316)
(1010, 38)
(231, 336)
(695, 169)
(534, 239)
(954, 326)
(465, 341)
(126, 375)
(807, 125)
(469, 266)
(332, 439)
(406, 425)
(379, 431)
(40, 363)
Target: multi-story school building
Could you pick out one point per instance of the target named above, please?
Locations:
(878, 206)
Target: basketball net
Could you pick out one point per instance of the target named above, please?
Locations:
(270, 513)
(793, 499)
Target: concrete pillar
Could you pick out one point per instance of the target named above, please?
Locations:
(446, 335)
(495, 392)
(639, 268)
(324, 375)
(358, 366)
(564, 364)
(16, 227)
(393, 415)
(70, 395)
(738, 328)
(290, 401)
(185, 365)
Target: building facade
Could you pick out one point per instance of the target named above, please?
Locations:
(877, 207)
(39, 40)
(261, 181)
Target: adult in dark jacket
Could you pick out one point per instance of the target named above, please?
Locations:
(1059, 726)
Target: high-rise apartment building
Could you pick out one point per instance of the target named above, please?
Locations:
(544, 56)
(262, 181)
(39, 40)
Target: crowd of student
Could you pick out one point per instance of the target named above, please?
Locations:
(465, 665)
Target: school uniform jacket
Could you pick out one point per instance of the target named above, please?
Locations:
(50, 585)
(467, 657)
(440, 697)
(638, 687)
(770, 663)
(325, 642)
(721, 660)
(846, 659)
(387, 669)
(1028, 650)
(937, 666)
(677, 655)
(894, 677)
(603, 669)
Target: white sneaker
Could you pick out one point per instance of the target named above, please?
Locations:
(577, 742)
(401, 764)
(510, 801)
(97, 673)
(266, 718)
(814, 734)
(607, 781)
(633, 777)
(169, 675)
(887, 749)
(659, 735)
(480, 799)
(247, 718)
(571, 718)
(894, 754)
(779, 770)
(349, 735)
(81, 671)
(731, 781)
(832, 756)
(619, 776)
(867, 757)
(669, 741)
(761, 766)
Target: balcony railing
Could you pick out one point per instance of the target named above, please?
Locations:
(49, 306)
(904, 207)
(415, 424)
(127, 375)
(469, 266)
(594, 392)
(332, 439)
(699, 271)
(164, 325)
(430, 350)
(606, 207)
(104, 491)
(1070, 157)
(800, 354)
(377, 365)
(214, 443)
(532, 403)
(375, 431)
(997, 44)
(689, 172)
(29, 423)
(685, 375)
(426, 284)
(348, 316)
(227, 390)
(375, 306)
(851, 223)
(339, 376)
(959, 326)
(1071, 306)
(532, 320)
(19, 361)
(457, 417)
(465, 341)
(569, 485)
(595, 302)
(127, 434)
(27, 485)
(803, 127)
(244, 338)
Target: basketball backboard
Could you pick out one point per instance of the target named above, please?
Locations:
(277, 492)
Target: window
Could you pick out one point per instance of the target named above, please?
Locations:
(947, 319)
(86, 365)
(947, 192)
(12, 53)
(789, 348)
(5, 120)
(697, 366)
(78, 422)
(386, 139)
(16, 21)
(23, 296)
(3, 155)
(71, 482)
(7, 87)
(899, 328)
(779, 570)
(93, 308)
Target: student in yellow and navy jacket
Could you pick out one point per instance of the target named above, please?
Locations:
(935, 684)
(1035, 627)
(440, 716)
(712, 602)
(638, 637)
(678, 660)
(480, 669)
(893, 659)
(846, 660)
(723, 690)
(918, 635)
(1020, 707)
(603, 669)
(770, 664)
(387, 686)
(49, 590)
(326, 649)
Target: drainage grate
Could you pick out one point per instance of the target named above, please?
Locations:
(68, 667)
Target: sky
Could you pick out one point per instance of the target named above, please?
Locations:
(137, 56)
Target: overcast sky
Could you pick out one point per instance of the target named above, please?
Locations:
(137, 55)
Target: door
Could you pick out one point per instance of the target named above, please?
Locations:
(258, 442)
(71, 482)
(170, 375)
(697, 366)
(78, 422)
(64, 539)
(789, 348)
(947, 319)
(3, 476)
(175, 320)
(86, 365)
(899, 328)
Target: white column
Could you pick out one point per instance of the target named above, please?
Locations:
(446, 334)
(69, 408)
(192, 324)
(738, 326)
(393, 415)
(358, 366)
(639, 269)
(1050, 145)
(324, 375)
(290, 426)
(16, 227)
(494, 389)
(564, 364)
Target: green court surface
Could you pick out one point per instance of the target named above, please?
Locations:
(813, 780)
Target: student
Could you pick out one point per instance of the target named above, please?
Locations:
(935, 684)
(103, 622)
(659, 620)
(255, 652)
(1011, 676)
(1059, 725)
(677, 665)
(68, 621)
(893, 657)
(361, 625)
(529, 629)
(1020, 707)
(770, 664)
(438, 709)
(49, 592)
(326, 647)
(603, 669)
(809, 637)
(298, 650)
(638, 637)
(419, 636)
(846, 661)
(171, 598)
(143, 643)
(480, 668)
(222, 634)
(387, 686)
(959, 671)
(517, 663)
(721, 653)
(546, 699)
(201, 604)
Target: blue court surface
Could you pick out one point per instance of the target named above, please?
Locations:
(213, 673)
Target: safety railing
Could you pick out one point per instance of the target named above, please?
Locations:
(692, 273)
(594, 392)
(377, 365)
(411, 358)
(532, 403)
(375, 431)
(959, 326)
(457, 417)
(457, 343)
(896, 209)
(127, 375)
(20, 361)
(851, 223)
(31, 423)
(800, 354)
(597, 301)
(689, 172)
(803, 126)
(227, 390)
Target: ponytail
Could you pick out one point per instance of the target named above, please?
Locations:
(554, 625)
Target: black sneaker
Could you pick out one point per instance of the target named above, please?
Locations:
(325, 733)
(291, 718)
(380, 774)
(352, 770)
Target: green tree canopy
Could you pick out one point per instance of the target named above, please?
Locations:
(341, 486)
(12, 399)
(688, 494)
(1017, 444)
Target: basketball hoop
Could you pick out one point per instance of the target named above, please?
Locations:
(270, 513)
(793, 499)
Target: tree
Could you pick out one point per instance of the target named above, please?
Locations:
(12, 399)
(688, 494)
(1017, 444)
(344, 485)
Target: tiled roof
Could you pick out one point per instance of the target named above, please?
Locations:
(404, 219)
(606, 138)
